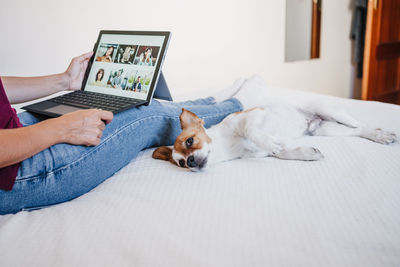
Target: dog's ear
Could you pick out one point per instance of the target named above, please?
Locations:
(163, 153)
(189, 119)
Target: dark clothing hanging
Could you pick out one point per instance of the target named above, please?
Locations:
(358, 33)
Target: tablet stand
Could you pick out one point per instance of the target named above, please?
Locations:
(162, 90)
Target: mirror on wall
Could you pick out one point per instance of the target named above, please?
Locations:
(303, 29)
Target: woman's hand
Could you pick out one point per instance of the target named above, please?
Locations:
(83, 127)
(76, 71)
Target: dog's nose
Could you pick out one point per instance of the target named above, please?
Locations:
(191, 162)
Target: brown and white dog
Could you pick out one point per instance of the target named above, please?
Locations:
(261, 132)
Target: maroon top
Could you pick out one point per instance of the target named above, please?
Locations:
(8, 120)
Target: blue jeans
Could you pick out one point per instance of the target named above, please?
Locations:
(63, 172)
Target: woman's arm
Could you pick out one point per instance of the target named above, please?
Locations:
(82, 127)
(22, 89)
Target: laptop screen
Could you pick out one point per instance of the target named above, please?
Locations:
(125, 65)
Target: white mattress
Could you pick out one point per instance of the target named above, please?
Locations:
(341, 211)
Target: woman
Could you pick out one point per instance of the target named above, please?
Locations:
(126, 55)
(107, 57)
(44, 162)
(146, 58)
(99, 78)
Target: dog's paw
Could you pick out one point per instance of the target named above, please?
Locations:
(311, 153)
(383, 137)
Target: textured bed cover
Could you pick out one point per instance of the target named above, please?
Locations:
(341, 211)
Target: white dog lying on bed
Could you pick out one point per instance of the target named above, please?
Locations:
(261, 132)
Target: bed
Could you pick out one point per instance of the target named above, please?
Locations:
(341, 211)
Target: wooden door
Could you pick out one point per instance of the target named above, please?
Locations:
(381, 80)
(315, 28)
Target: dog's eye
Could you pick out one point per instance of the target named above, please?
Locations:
(182, 163)
(189, 142)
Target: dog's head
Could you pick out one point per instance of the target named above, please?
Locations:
(192, 146)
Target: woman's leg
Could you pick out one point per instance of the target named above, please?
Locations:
(63, 172)
(27, 118)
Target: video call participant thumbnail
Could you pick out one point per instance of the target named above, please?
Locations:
(147, 55)
(106, 53)
(125, 54)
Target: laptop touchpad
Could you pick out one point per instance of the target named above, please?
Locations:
(62, 109)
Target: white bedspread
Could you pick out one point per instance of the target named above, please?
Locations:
(341, 211)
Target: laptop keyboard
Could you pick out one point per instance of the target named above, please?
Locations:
(85, 99)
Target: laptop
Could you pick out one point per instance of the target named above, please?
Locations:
(124, 72)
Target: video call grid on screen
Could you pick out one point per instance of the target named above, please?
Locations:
(124, 65)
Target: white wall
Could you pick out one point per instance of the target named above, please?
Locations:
(213, 42)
